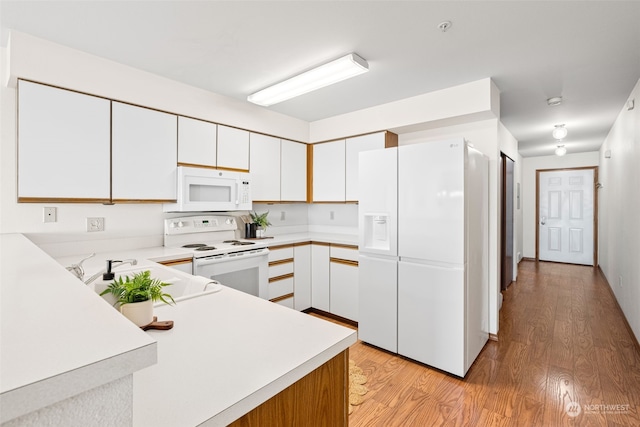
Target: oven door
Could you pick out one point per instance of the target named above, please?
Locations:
(245, 271)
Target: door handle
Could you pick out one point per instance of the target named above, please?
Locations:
(543, 220)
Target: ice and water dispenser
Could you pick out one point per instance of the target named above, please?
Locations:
(377, 231)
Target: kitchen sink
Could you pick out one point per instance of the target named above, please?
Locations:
(182, 285)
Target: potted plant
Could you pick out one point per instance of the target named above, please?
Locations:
(136, 295)
(261, 221)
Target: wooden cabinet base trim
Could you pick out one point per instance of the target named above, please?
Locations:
(60, 200)
(280, 261)
(342, 245)
(276, 247)
(318, 399)
(344, 261)
(332, 316)
(222, 168)
(278, 278)
(143, 201)
(177, 262)
(282, 297)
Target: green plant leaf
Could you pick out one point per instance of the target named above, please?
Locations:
(137, 288)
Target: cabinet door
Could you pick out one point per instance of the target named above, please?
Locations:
(354, 146)
(265, 167)
(302, 276)
(328, 172)
(144, 150)
(320, 277)
(63, 144)
(293, 171)
(197, 142)
(233, 148)
(344, 290)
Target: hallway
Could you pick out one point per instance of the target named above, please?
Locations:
(564, 357)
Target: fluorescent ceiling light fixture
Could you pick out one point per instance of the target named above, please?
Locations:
(559, 132)
(561, 150)
(332, 72)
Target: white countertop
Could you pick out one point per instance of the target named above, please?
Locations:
(228, 353)
(57, 337)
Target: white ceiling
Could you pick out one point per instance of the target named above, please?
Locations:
(586, 51)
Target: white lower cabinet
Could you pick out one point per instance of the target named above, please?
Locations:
(320, 277)
(185, 265)
(302, 276)
(281, 275)
(344, 282)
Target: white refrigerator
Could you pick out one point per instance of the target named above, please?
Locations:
(440, 257)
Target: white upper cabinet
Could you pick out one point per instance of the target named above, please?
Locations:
(265, 167)
(197, 142)
(328, 172)
(233, 148)
(293, 171)
(63, 144)
(354, 147)
(144, 150)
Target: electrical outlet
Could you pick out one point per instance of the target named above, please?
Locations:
(331, 215)
(282, 216)
(49, 215)
(95, 224)
(620, 281)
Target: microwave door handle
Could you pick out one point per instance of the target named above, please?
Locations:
(237, 193)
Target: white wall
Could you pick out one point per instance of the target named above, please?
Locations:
(619, 211)
(528, 190)
(470, 102)
(484, 137)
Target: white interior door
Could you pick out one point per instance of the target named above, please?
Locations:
(566, 203)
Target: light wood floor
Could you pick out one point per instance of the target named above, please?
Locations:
(562, 339)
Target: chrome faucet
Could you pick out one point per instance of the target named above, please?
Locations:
(77, 269)
(111, 264)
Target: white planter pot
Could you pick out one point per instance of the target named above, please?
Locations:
(140, 313)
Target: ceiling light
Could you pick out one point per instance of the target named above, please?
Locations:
(561, 150)
(556, 100)
(559, 132)
(332, 72)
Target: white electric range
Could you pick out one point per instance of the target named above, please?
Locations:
(217, 254)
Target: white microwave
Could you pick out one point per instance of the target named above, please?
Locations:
(209, 190)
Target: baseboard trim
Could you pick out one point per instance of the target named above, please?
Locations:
(331, 316)
(528, 259)
(493, 337)
(626, 322)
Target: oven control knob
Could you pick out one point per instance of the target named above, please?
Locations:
(229, 221)
(180, 224)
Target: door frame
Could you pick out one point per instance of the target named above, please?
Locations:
(503, 222)
(595, 208)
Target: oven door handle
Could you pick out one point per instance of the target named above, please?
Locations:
(225, 258)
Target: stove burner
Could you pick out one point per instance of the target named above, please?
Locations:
(205, 248)
(195, 245)
(238, 243)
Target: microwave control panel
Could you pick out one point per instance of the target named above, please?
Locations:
(245, 191)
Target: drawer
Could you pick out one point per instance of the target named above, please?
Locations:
(281, 269)
(280, 287)
(280, 253)
(344, 253)
(287, 302)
